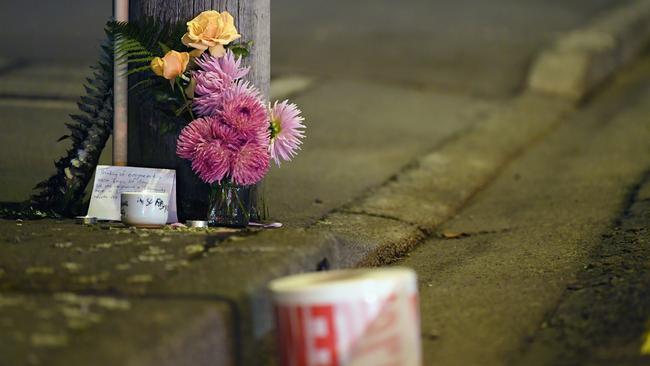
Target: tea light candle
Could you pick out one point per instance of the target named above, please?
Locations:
(86, 220)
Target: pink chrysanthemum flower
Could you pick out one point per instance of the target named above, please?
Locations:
(212, 162)
(218, 151)
(242, 109)
(208, 82)
(232, 140)
(228, 66)
(287, 131)
(193, 137)
(250, 163)
(208, 104)
(216, 75)
(206, 146)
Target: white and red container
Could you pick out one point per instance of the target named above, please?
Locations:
(365, 317)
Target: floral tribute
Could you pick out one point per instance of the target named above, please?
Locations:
(232, 134)
(236, 134)
(192, 78)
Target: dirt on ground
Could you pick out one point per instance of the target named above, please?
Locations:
(602, 318)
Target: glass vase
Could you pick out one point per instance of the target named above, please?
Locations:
(230, 205)
(259, 209)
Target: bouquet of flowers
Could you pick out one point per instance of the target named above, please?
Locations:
(232, 134)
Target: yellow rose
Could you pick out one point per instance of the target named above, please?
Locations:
(173, 64)
(211, 30)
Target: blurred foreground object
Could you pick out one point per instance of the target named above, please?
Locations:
(350, 317)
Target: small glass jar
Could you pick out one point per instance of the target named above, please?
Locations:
(230, 204)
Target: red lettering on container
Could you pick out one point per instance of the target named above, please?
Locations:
(291, 336)
(326, 342)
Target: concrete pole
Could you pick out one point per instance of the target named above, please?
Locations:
(147, 146)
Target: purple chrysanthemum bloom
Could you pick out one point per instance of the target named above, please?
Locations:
(229, 66)
(243, 110)
(216, 75)
(207, 105)
(212, 162)
(250, 163)
(193, 137)
(218, 151)
(232, 140)
(208, 82)
(206, 147)
(287, 131)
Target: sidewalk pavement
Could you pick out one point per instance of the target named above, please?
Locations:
(419, 69)
(384, 164)
(511, 260)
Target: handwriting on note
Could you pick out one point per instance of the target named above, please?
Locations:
(111, 181)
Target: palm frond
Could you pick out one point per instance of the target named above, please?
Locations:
(148, 37)
(137, 43)
(134, 44)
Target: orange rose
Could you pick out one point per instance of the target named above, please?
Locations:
(172, 65)
(210, 30)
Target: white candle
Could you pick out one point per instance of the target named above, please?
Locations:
(120, 96)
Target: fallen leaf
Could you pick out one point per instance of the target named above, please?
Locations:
(453, 235)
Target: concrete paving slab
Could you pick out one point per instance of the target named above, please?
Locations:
(4, 63)
(391, 126)
(288, 86)
(471, 46)
(358, 135)
(602, 317)
(365, 130)
(45, 81)
(527, 235)
(70, 329)
(28, 145)
(340, 240)
(429, 191)
(74, 30)
(50, 256)
(584, 58)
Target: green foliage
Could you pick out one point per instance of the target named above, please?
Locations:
(137, 43)
(62, 194)
(241, 49)
(24, 211)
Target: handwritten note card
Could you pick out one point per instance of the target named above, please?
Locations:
(111, 181)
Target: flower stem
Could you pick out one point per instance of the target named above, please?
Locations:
(186, 104)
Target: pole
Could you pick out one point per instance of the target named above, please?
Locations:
(120, 95)
(151, 147)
